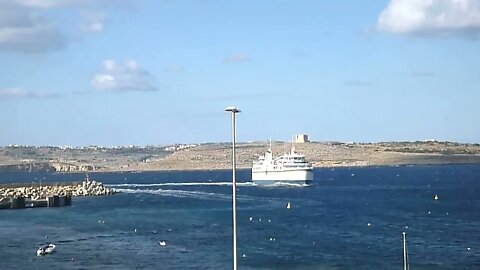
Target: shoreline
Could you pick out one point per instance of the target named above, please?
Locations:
(209, 157)
(249, 168)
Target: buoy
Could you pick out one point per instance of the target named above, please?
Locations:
(289, 205)
(244, 255)
(135, 230)
(162, 243)
(468, 248)
(436, 197)
(251, 218)
(368, 224)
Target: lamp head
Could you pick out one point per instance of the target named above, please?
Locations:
(232, 109)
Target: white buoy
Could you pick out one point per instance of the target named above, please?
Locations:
(162, 243)
(251, 218)
(289, 205)
(436, 197)
(468, 248)
(368, 224)
(135, 230)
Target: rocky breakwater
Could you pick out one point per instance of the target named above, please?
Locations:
(76, 189)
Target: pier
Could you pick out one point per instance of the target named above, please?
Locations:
(22, 202)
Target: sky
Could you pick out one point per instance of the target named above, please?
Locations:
(158, 72)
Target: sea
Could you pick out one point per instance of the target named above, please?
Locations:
(349, 218)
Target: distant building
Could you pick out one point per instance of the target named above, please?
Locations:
(301, 138)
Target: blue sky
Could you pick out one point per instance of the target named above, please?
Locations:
(121, 72)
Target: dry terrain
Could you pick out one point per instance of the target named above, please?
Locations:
(218, 156)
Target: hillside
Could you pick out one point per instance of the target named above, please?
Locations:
(218, 156)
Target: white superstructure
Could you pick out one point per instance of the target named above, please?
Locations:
(288, 168)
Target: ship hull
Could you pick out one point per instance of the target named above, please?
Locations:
(284, 176)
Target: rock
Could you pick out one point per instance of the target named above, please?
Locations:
(87, 188)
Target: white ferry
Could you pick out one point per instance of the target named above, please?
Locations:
(289, 168)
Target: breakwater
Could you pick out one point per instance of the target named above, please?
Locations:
(74, 189)
(49, 193)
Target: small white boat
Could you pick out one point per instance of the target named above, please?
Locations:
(46, 249)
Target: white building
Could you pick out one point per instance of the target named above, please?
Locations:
(301, 138)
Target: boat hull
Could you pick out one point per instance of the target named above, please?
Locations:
(286, 176)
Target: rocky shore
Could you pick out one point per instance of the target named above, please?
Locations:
(75, 189)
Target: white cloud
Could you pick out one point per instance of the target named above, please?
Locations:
(358, 83)
(23, 31)
(20, 92)
(45, 3)
(175, 68)
(237, 58)
(123, 77)
(32, 26)
(431, 17)
(93, 21)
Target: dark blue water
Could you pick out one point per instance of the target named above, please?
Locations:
(350, 218)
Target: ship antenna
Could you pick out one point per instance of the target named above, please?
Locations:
(270, 147)
(293, 146)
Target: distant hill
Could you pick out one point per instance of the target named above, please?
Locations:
(218, 155)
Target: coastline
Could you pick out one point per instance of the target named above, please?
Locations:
(208, 157)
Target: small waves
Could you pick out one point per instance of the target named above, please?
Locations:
(189, 194)
(134, 185)
(177, 193)
(283, 184)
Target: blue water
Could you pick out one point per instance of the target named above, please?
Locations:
(327, 226)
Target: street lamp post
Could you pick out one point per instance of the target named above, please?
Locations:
(234, 111)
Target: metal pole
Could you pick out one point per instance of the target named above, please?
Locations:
(234, 110)
(234, 195)
(405, 263)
